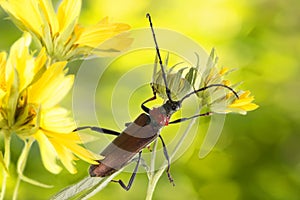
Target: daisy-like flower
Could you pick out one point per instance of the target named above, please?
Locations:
(221, 100)
(30, 91)
(214, 99)
(60, 33)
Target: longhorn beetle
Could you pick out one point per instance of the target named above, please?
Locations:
(144, 130)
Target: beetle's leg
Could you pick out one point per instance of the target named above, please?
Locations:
(142, 163)
(146, 109)
(188, 118)
(98, 129)
(132, 176)
(168, 160)
(128, 123)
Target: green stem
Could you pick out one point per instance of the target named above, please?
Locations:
(15, 195)
(151, 173)
(153, 183)
(6, 161)
(21, 165)
(153, 157)
(155, 177)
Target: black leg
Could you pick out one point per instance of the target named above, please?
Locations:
(128, 123)
(146, 109)
(132, 176)
(98, 129)
(142, 163)
(168, 160)
(188, 118)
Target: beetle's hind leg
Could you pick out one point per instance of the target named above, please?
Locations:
(128, 186)
(168, 160)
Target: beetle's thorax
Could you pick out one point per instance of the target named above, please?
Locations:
(159, 116)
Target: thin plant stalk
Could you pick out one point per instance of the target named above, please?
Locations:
(156, 176)
(151, 173)
(153, 182)
(152, 162)
(7, 138)
(21, 166)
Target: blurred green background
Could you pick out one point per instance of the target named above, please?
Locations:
(257, 155)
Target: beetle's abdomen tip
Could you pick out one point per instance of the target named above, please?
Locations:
(92, 170)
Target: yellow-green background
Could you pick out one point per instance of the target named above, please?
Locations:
(258, 155)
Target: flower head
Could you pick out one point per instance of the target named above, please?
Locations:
(221, 100)
(60, 33)
(215, 99)
(30, 91)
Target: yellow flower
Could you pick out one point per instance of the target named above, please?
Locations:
(30, 91)
(60, 33)
(242, 104)
(215, 99)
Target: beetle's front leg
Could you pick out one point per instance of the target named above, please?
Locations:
(98, 129)
(146, 109)
(192, 117)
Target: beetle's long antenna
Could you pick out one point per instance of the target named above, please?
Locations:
(168, 92)
(210, 86)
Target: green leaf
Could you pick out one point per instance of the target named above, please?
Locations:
(85, 188)
(191, 76)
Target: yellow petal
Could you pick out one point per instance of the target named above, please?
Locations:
(70, 141)
(83, 153)
(223, 71)
(52, 87)
(65, 156)
(226, 82)
(241, 102)
(61, 90)
(40, 60)
(57, 120)
(72, 137)
(48, 152)
(249, 107)
(245, 94)
(95, 35)
(49, 13)
(2, 94)
(68, 13)
(113, 46)
(22, 61)
(27, 19)
(2, 71)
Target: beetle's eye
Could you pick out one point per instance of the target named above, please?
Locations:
(174, 107)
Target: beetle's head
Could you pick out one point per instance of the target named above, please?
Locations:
(171, 106)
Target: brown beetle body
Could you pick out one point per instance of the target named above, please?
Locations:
(121, 150)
